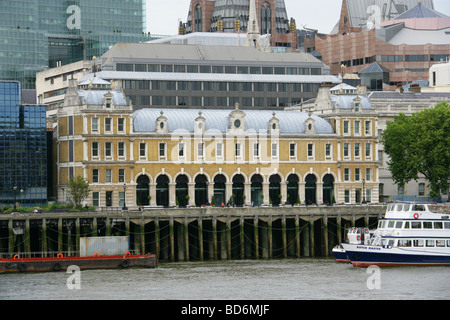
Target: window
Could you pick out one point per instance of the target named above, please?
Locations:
(274, 150)
(346, 128)
(357, 174)
(429, 243)
(200, 150)
(95, 150)
(418, 243)
(256, 150)
(121, 125)
(237, 150)
(96, 199)
(292, 150)
(347, 196)
(121, 149)
(368, 150)
(357, 149)
(310, 150)
(95, 176)
(121, 198)
(416, 225)
(368, 174)
(437, 225)
(346, 174)
(108, 149)
(108, 176)
(427, 225)
(367, 128)
(421, 189)
(181, 150)
(357, 127)
(94, 125)
(219, 150)
(162, 150)
(121, 176)
(346, 149)
(328, 150)
(142, 150)
(108, 127)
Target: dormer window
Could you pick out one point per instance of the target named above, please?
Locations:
(108, 104)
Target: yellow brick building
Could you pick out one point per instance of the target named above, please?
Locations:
(154, 157)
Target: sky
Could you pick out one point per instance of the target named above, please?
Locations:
(163, 16)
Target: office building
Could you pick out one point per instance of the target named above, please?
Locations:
(23, 148)
(41, 34)
(192, 157)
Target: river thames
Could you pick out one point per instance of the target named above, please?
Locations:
(288, 279)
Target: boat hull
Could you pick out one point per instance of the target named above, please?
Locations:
(340, 255)
(364, 256)
(84, 263)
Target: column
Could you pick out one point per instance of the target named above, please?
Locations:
(269, 230)
(297, 236)
(153, 194)
(211, 193)
(229, 238)
(44, 238)
(77, 234)
(266, 193)
(283, 187)
(200, 237)
(186, 238)
(27, 238)
(242, 236)
(172, 195)
(325, 234)
(256, 236)
(319, 192)
(214, 225)
(228, 191)
(60, 234)
(248, 193)
(191, 193)
(301, 191)
(172, 239)
(283, 235)
(311, 236)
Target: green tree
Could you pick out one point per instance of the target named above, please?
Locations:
(420, 144)
(78, 190)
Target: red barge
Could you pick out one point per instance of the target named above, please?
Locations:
(61, 263)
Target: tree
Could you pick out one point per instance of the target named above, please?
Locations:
(420, 144)
(78, 190)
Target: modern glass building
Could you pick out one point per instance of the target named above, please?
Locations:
(23, 148)
(39, 34)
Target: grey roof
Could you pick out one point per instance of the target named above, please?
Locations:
(420, 11)
(358, 9)
(374, 68)
(218, 77)
(183, 52)
(345, 101)
(96, 97)
(421, 37)
(290, 122)
(393, 95)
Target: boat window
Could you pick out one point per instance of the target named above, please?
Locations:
(391, 243)
(383, 224)
(391, 224)
(391, 207)
(398, 224)
(427, 225)
(440, 243)
(446, 225)
(419, 207)
(448, 243)
(429, 243)
(384, 242)
(406, 226)
(399, 207)
(406, 207)
(416, 225)
(418, 243)
(437, 225)
(404, 243)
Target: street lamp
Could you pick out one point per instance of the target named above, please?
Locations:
(124, 197)
(15, 191)
(364, 192)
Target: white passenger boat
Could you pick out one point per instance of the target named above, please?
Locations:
(409, 234)
(354, 236)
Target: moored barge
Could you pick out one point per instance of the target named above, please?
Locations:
(61, 263)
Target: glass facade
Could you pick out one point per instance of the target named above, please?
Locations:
(39, 34)
(23, 148)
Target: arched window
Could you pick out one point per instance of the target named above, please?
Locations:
(266, 19)
(198, 19)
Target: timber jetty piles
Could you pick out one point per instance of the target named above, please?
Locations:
(208, 233)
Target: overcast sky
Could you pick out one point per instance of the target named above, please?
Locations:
(163, 16)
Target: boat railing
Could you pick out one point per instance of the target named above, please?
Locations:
(48, 254)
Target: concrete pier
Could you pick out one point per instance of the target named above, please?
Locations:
(193, 233)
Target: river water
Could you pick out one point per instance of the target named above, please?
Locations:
(286, 279)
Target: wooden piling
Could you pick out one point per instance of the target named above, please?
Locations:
(256, 236)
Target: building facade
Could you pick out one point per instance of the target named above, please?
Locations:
(37, 35)
(23, 148)
(235, 16)
(187, 157)
(197, 76)
(404, 47)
